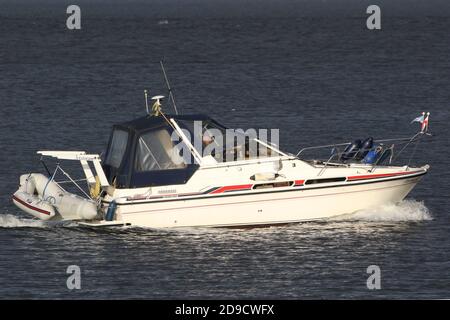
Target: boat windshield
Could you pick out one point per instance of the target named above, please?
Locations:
(156, 150)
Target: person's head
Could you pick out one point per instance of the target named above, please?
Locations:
(207, 138)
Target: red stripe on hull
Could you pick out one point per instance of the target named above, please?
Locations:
(382, 175)
(233, 188)
(30, 206)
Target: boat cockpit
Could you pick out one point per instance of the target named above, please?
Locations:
(167, 150)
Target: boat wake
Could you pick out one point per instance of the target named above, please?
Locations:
(13, 221)
(407, 210)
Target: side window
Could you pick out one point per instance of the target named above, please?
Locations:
(155, 151)
(117, 148)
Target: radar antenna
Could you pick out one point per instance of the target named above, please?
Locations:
(156, 108)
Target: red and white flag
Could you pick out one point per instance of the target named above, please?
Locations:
(425, 123)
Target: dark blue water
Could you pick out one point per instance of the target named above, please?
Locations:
(320, 79)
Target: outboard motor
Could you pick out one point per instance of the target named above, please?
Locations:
(351, 150)
(365, 148)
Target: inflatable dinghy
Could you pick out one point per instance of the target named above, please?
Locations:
(45, 199)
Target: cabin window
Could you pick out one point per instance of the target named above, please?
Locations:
(325, 180)
(117, 148)
(156, 151)
(273, 185)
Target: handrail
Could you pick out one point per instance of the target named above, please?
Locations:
(347, 143)
(336, 153)
(321, 147)
(326, 164)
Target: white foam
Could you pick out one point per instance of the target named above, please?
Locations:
(407, 210)
(12, 221)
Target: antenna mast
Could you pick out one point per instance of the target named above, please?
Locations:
(146, 101)
(168, 86)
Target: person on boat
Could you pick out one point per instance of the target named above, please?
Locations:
(207, 139)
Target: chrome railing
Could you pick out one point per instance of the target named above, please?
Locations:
(387, 145)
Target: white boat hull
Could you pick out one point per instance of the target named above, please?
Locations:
(265, 207)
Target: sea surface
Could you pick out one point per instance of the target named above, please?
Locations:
(319, 78)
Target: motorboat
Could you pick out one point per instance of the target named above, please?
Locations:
(170, 170)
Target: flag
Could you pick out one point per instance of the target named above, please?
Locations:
(425, 123)
(419, 119)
